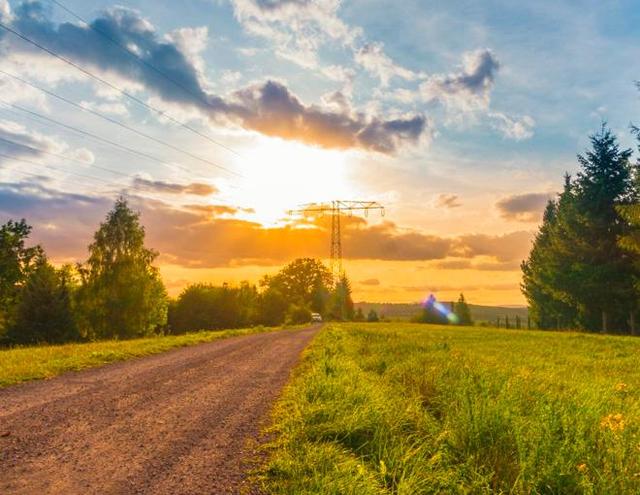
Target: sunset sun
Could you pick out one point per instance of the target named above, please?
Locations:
(279, 175)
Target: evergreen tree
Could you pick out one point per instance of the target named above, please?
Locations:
(122, 294)
(359, 316)
(342, 303)
(577, 273)
(372, 317)
(605, 290)
(462, 311)
(44, 313)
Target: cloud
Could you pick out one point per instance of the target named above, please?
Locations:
(370, 282)
(195, 188)
(454, 264)
(514, 246)
(488, 265)
(372, 57)
(16, 141)
(447, 201)
(470, 88)
(200, 237)
(297, 28)
(513, 127)
(109, 107)
(5, 10)
(524, 207)
(269, 107)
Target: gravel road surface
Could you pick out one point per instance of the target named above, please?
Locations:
(181, 422)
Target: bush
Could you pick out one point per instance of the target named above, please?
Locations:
(44, 313)
(298, 314)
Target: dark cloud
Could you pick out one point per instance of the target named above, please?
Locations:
(269, 107)
(447, 201)
(272, 109)
(198, 237)
(17, 142)
(195, 188)
(470, 86)
(467, 264)
(514, 246)
(370, 282)
(454, 264)
(524, 207)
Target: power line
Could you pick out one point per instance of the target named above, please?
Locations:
(31, 162)
(37, 117)
(118, 89)
(151, 66)
(53, 167)
(58, 155)
(96, 137)
(116, 122)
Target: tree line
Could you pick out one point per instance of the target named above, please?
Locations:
(584, 268)
(118, 292)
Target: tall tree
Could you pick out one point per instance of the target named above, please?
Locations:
(462, 311)
(44, 312)
(305, 281)
(122, 294)
(546, 280)
(577, 274)
(16, 263)
(341, 300)
(605, 289)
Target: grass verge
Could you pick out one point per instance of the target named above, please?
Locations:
(411, 409)
(36, 362)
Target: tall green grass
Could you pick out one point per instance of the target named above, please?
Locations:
(36, 362)
(409, 409)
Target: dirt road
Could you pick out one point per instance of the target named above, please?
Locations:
(176, 423)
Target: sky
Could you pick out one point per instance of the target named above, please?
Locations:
(215, 118)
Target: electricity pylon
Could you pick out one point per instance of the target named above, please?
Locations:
(337, 208)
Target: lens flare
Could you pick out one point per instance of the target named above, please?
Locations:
(433, 305)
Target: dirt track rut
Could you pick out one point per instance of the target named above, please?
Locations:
(181, 422)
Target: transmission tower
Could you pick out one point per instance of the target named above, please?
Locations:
(337, 208)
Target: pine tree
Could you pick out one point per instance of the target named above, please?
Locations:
(44, 313)
(341, 301)
(462, 312)
(577, 273)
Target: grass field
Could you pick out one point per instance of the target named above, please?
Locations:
(31, 363)
(409, 409)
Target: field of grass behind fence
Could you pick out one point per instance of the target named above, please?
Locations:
(409, 409)
(31, 363)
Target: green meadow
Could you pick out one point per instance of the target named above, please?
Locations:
(409, 409)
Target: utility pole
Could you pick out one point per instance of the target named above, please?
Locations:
(337, 208)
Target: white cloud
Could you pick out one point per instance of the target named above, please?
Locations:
(372, 57)
(18, 142)
(110, 107)
(297, 28)
(516, 128)
(5, 10)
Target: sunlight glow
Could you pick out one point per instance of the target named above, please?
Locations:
(280, 175)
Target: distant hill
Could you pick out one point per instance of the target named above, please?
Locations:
(405, 311)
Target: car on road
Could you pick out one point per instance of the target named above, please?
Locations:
(316, 317)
